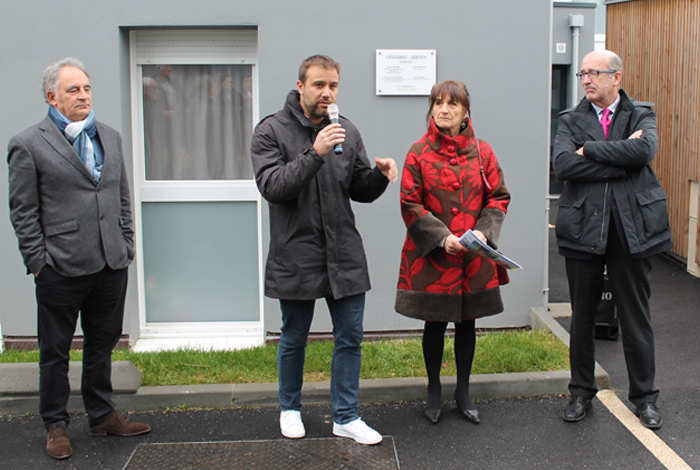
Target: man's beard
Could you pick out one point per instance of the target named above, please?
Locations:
(313, 108)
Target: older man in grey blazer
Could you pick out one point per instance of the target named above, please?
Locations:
(71, 210)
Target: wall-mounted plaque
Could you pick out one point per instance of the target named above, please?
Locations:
(405, 71)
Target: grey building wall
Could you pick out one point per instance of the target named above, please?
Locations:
(500, 49)
(562, 34)
(566, 89)
(561, 31)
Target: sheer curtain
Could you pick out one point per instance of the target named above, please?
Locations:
(198, 121)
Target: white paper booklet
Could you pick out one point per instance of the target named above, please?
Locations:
(473, 243)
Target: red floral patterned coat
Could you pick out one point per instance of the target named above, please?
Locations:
(443, 191)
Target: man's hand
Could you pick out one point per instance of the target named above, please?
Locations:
(635, 135)
(329, 136)
(388, 167)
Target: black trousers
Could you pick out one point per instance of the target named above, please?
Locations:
(99, 298)
(630, 287)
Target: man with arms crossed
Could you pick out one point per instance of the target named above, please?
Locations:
(612, 213)
(71, 210)
(315, 250)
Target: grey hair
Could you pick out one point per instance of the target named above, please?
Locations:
(50, 82)
(615, 63)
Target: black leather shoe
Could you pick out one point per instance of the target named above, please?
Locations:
(649, 415)
(471, 414)
(432, 415)
(577, 408)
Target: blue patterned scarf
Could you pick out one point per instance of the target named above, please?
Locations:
(83, 137)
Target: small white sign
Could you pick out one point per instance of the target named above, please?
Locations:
(561, 48)
(405, 71)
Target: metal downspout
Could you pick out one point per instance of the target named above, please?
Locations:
(575, 22)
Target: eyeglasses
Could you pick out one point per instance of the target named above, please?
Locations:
(593, 73)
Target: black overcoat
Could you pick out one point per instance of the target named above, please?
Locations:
(617, 168)
(315, 248)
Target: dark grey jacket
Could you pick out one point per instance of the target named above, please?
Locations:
(60, 215)
(315, 249)
(617, 167)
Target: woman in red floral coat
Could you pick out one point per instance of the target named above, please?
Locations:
(451, 182)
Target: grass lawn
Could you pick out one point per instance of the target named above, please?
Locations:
(507, 351)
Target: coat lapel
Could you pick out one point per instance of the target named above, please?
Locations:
(60, 144)
(618, 128)
(587, 120)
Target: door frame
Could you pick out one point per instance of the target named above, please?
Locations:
(197, 335)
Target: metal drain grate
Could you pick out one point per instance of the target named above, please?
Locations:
(306, 454)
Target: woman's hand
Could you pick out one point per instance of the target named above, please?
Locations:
(453, 246)
(480, 236)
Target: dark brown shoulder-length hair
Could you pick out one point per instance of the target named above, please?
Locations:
(453, 89)
(318, 59)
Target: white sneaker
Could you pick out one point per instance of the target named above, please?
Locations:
(291, 424)
(359, 431)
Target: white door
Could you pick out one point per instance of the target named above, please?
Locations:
(196, 206)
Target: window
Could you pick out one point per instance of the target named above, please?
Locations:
(197, 120)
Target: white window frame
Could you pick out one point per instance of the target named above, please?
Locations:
(198, 335)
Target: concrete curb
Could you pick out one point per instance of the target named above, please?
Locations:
(149, 398)
(22, 378)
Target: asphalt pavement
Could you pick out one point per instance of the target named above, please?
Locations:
(515, 433)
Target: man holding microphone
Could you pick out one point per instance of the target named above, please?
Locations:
(315, 249)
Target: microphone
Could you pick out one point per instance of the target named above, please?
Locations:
(333, 115)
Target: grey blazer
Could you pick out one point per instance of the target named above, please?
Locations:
(60, 215)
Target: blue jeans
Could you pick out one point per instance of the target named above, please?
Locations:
(347, 315)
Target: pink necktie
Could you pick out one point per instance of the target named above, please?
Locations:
(605, 121)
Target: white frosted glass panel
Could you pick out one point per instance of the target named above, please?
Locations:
(201, 261)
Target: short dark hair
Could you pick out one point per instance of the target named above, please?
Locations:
(321, 60)
(448, 88)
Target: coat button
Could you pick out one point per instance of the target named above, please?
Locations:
(456, 186)
(454, 211)
(453, 161)
(450, 148)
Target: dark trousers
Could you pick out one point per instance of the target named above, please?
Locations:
(629, 285)
(99, 298)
